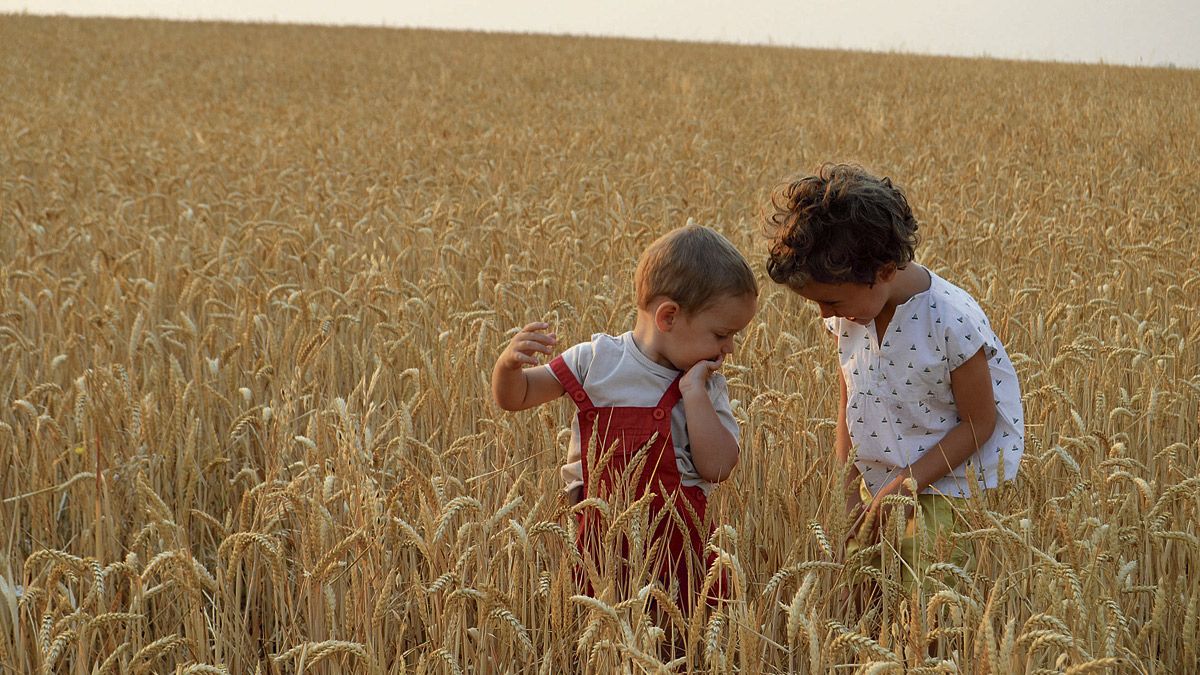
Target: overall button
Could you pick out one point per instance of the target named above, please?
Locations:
(591, 415)
(659, 414)
(579, 395)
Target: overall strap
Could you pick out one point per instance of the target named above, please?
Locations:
(570, 384)
(671, 396)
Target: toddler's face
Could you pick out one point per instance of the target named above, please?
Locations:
(707, 335)
(859, 303)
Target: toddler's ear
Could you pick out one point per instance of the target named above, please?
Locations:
(886, 273)
(665, 315)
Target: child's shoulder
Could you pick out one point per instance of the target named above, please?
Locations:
(964, 325)
(942, 287)
(602, 348)
(603, 343)
(952, 301)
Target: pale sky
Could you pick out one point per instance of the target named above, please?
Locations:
(1131, 32)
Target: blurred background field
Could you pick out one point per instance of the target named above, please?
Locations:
(255, 277)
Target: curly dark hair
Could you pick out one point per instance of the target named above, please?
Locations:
(841, 225)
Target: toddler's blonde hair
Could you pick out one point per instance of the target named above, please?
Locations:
(694, 266)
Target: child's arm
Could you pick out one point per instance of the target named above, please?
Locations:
(714, 450)
(971, 385)
(516, 385)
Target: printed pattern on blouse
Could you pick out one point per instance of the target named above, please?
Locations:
(899, 401)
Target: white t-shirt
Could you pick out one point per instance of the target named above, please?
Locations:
(614, 372)
(899, 402)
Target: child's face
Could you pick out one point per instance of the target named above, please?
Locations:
(859, 303)
(707, 335)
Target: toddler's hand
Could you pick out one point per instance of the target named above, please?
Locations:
(530, 340)
(697, 376)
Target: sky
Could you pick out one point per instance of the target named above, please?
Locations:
(1128, 32)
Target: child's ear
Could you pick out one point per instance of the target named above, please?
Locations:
(885, 273)
(665, 315)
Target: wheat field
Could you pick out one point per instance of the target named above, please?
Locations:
(255, 277)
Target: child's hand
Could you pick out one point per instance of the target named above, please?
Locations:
(530, 340)
(868, 528)
(697, 376)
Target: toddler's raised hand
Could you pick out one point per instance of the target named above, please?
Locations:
(697, 375)
(529, 341)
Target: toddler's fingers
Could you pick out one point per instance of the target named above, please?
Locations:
(536, 326)
(530, 345)
(545, 338)
(710, 366)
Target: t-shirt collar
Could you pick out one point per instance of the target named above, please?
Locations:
(645, 361)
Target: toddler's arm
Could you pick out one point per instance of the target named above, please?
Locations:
(515, 384)
(714, 450)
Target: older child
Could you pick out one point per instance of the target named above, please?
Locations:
(654, 413)
(928, 394)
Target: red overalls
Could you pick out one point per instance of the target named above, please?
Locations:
(638, 435)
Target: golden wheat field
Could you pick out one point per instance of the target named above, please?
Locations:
(255, 278)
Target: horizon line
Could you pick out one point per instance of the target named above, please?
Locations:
(768, 43)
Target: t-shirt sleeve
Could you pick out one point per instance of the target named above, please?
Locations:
(718, 393)
(578, 359)
(831, 324)
(967, 332)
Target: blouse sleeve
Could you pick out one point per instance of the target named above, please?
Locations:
(967, 331)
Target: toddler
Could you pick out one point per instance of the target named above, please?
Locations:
(653, 410)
